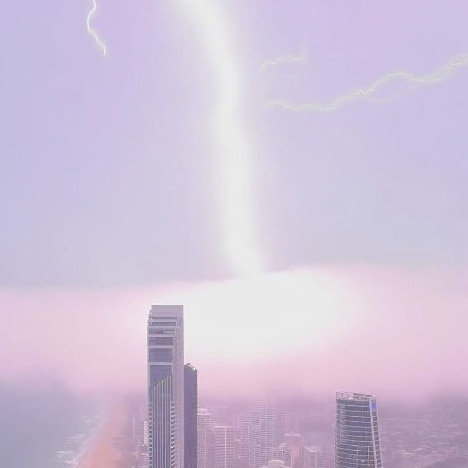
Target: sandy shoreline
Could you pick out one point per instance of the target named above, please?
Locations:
(104, 452)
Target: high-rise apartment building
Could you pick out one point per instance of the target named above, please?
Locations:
(284, 454)
(357, 442)
(313, 457)
(265, 430)
(224, 447)
(293, 441)
(166, 386)
(190, 417)
(204, 439)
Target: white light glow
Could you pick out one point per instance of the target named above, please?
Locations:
(234, 151)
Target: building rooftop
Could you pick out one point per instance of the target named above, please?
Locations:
(353, 396)
(168, 310)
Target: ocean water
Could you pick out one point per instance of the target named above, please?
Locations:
(47, 428)
(75, 446)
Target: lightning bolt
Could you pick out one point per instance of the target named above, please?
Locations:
(439, 75)
(91, 31)
(285, 59)
(234, 150)
(299, 58)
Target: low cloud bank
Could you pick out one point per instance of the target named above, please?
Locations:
(306, 331)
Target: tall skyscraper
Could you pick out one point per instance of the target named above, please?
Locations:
(166, 386)
(265, 430)
(204, 439)
(357, 442)
(190, 409)
(224, 447)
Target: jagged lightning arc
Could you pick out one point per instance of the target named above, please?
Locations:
(234, 152)
(441, 74)
(91, 31)
(284, 59)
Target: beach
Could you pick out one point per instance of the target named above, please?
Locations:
(105, 451)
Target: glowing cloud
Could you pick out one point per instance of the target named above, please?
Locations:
(91, 31)
(439, 75)
(318, 328)
(234, 150)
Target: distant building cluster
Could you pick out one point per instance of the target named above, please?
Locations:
(178, 433)
(258, 440)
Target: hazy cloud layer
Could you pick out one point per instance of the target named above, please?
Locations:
(305, 331)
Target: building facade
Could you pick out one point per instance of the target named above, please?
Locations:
(357, 441)
(293, 441)
(283, 453)
(313, 457)
(265, 430)
(224, 447)
(204, 439)
(166, 386)
(190, 415)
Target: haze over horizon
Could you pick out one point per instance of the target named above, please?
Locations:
(179, 168)
(317, 328)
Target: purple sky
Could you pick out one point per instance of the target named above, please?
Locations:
(110, 168)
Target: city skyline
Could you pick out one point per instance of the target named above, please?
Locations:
(106, 208)
(179, 433)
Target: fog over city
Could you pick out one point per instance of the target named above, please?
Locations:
(316, 327)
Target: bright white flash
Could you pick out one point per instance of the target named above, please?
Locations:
(441, 74)
(91, 31)
(234, 152)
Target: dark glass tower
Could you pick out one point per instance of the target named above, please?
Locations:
(190, 418)
(357, 442)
